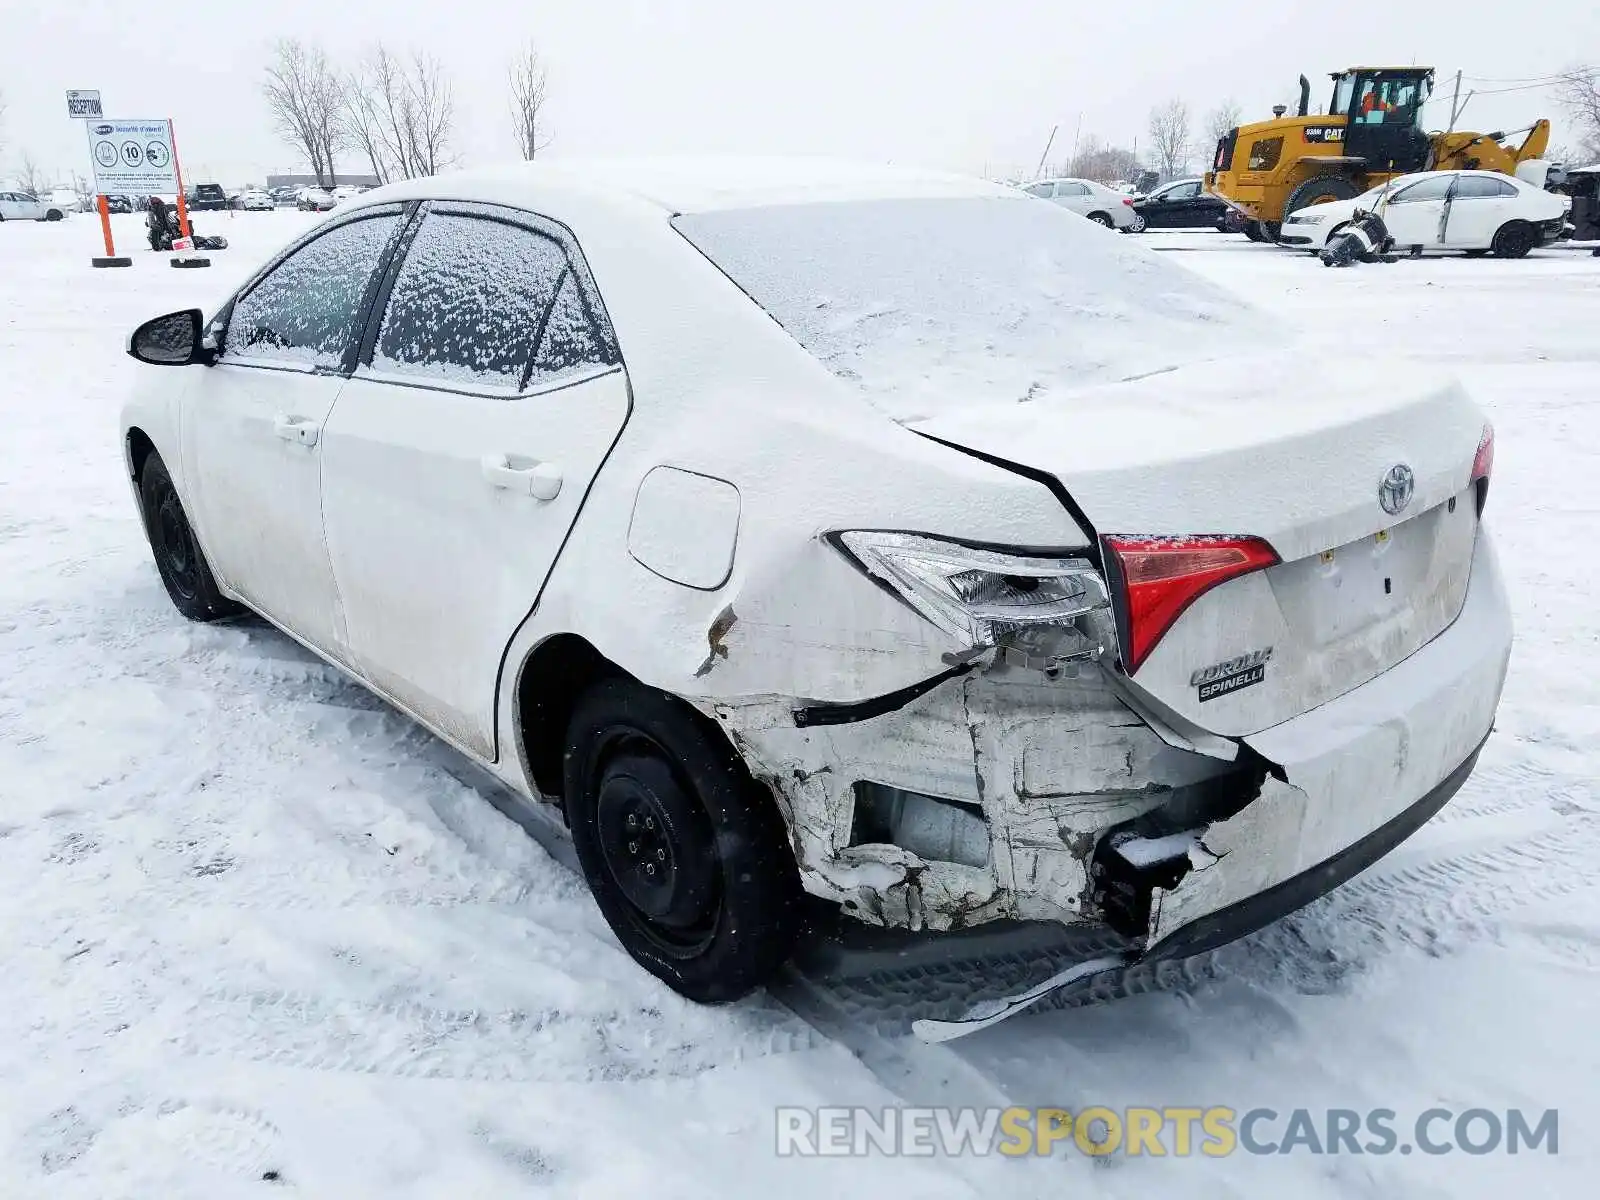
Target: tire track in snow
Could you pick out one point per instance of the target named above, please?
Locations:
(310, 1031)
(1432, 900)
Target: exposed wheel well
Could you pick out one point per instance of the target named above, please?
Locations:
(140, 448)
(553, 677)
(1100, 215)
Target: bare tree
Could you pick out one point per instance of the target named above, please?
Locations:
(432, 115)
(2, 120)
(28, 175)
(527, 77)
(1170, 137)
(1223, 118)
(362, 121)
(401, 114)
(306, 98)
(1101, 162)
(1579, 93)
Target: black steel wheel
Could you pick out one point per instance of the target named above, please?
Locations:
(686, 855)
(182, 566)
(1514, 239)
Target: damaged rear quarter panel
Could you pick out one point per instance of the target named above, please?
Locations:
(1052, 764)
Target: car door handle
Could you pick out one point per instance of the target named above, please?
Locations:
(525, 476)
(297, 429)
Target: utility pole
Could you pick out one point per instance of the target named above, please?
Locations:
(1455, 106)
(1039, 170)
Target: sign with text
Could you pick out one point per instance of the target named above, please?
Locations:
(133, 158)
(84, 104)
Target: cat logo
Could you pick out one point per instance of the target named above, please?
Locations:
(1323, 133)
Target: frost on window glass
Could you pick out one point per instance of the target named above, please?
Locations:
(569, 339)
(307, 310)
(467, 304)
(934, 305)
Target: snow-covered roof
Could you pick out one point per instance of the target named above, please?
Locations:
(698, 184)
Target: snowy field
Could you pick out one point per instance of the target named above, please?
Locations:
(259, 937)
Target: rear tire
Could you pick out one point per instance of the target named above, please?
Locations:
(687, 857)
(1100, 218)
(1514, 239)
(182, 565)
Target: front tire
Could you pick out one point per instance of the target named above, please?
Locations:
(183, 567)
(1514, 239)
(1323, 189)
(1139, 224)
(55, 214)
(686, 855)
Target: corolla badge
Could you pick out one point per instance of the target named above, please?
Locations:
(1394, 491)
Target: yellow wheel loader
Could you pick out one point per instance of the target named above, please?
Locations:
(1371, 132)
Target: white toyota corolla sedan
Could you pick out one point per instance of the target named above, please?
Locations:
(803, 528)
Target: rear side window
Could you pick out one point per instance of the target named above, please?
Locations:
(1478, 186)
(307, 311)
(486, 304)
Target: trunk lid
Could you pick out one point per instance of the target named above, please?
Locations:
(1289, 450)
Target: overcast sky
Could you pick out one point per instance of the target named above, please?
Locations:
(974, 85)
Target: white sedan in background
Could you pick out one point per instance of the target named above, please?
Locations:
(882, 535)
(19, 206)
(1478, 212)
(1087, 198)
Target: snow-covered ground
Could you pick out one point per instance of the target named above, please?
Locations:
(256, 933)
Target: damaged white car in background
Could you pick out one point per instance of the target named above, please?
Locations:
(873, 534)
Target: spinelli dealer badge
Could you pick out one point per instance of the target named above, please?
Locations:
(1225, 678)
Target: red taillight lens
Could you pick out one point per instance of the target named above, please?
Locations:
(1160, 577)
(1483, 464)
(1128, 200)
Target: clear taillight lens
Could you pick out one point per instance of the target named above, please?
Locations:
(1159, 577)
(978, 596)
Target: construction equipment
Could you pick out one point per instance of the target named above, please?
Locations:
(1371, 132)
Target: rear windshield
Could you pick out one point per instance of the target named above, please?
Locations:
(934, 305)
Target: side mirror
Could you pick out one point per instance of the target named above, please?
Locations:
(169, 341)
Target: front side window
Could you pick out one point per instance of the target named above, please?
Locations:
(486, 304)
(307, 310)
(1071, 189)
(1436, 188)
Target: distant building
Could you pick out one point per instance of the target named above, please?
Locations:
(342, 179)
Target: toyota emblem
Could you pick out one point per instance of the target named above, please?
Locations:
(1394, 492)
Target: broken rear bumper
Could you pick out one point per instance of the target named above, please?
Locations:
(1257, 911)
(1351, 772)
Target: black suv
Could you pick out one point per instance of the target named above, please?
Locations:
(204, 197)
